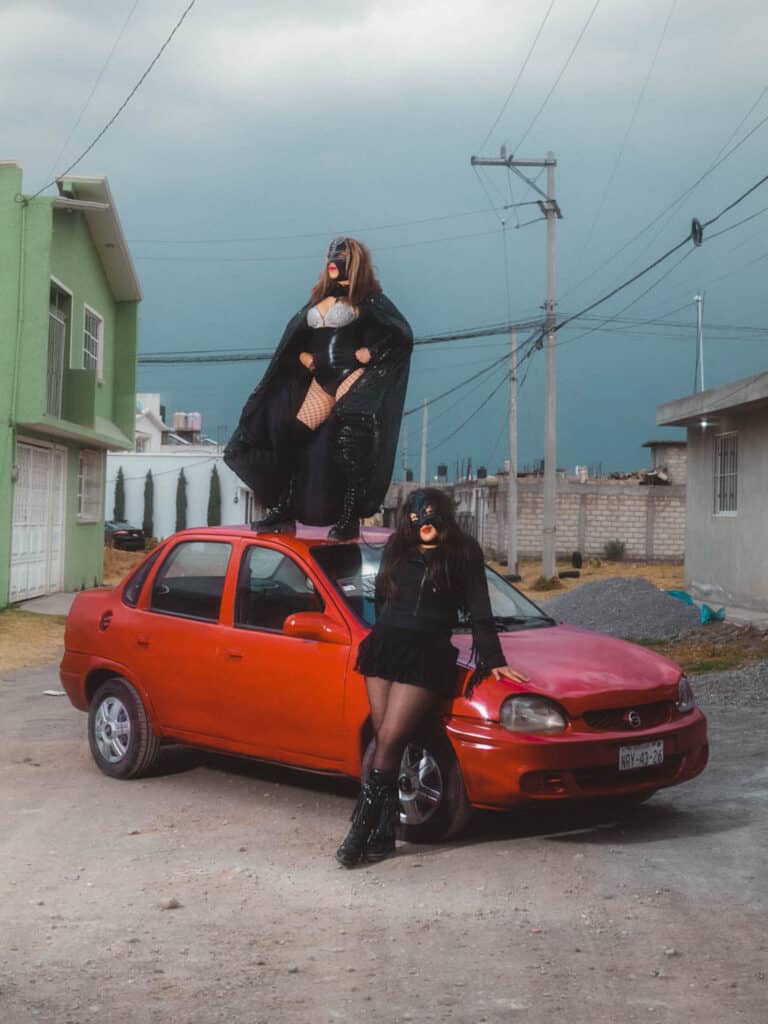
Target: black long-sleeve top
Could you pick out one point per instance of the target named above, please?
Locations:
(418, 606)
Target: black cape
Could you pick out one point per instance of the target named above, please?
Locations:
(257, 451)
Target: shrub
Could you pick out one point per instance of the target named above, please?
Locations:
(615, 550)
(118, 513)
(214, 499)
(148, 525)
(181, 502)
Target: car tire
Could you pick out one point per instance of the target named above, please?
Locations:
(122, 741)
(434, 805)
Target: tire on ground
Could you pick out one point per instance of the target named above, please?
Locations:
(143, 746)
(454, 811)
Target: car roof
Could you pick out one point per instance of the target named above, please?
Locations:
(304, 537)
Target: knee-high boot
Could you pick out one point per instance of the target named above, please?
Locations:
(381, 843)
(282, 516)
(365, 817)
(355, 456)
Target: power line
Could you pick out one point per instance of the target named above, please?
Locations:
(309, 234)
(91, 94)
(125, 102)
(519, 75)
(717, 162)
(299, 259)
(557, 80)
(661, 259)
(631, 124)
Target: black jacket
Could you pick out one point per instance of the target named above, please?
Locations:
(420, 607)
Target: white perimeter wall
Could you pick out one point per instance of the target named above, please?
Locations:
(165, 468)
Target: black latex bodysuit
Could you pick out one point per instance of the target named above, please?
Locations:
(333, 349)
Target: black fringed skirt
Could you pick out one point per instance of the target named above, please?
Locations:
(410, 656)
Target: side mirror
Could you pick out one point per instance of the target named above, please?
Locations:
(316, 626)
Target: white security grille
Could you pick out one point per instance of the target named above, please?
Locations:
(90, 485)
(91, 341)
(57, 343)
(38, 512)
(726, 465)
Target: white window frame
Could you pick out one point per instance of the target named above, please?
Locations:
(725, 474)
(99, 339)
(90, 485)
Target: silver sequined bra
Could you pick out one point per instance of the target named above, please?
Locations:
(339, 315)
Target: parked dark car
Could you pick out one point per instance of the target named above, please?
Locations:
(123, 536)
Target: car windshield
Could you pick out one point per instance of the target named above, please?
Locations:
(352, 570)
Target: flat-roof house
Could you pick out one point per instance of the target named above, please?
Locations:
(726, 549)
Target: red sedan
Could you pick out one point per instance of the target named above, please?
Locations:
(245, 643)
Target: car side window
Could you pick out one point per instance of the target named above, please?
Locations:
(191, 580)
(271, 586)
(135, 584)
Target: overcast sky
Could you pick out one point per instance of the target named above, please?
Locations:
(267, 128)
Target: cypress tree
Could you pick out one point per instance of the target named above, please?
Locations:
(148, 524)
(118, 513)
(181, 502)
(214, 499)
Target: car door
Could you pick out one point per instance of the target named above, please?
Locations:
(177, 646)
(284, 694)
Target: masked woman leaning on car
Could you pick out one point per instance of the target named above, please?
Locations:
(430, 571)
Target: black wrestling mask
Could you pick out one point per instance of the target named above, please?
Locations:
(338, 258)
(427, 523)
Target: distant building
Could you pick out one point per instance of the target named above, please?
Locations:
(69, 300)
(726, 551)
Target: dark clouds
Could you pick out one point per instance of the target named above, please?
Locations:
(291, 118)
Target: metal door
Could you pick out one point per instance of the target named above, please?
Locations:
(37, 538)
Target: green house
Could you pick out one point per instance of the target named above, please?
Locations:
(69, 300)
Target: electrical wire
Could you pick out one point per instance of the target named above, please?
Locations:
(630, 126)
(483, 404)
(564, 68)
(124, 104)
(667, 209)
(304, 259)
(660, 259)
(308, 234)
(99, 77)
(519, 75)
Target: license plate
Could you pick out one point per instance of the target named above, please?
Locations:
(641, 755)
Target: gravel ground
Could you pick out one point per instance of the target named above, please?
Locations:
(742, 687)
(631, 608)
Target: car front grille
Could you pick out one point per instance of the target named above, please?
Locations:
(623, 720)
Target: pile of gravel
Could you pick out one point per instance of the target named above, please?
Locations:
(627, 607)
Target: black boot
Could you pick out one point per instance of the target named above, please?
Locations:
(281, 517)
(381, 843)
(347, 526)
(364, 818)
(355, 455)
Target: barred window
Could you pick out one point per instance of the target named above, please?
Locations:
(93, 341)
(726, 452)
(90, 486)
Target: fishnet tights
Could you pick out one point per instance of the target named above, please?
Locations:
(318, 404)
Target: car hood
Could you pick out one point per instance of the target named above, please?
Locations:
(577, 667)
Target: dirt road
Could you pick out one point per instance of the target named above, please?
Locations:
(535, 917)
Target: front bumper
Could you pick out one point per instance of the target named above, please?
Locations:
(501, 769)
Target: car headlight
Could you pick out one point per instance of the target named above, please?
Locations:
(686, 701)
(529, 713)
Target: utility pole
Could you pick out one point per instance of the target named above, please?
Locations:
(424, 424)
(699, 300)
(549, 207)
(405, 449)
(512, 480)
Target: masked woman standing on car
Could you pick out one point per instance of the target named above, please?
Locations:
(430, 572)
(317, 438)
